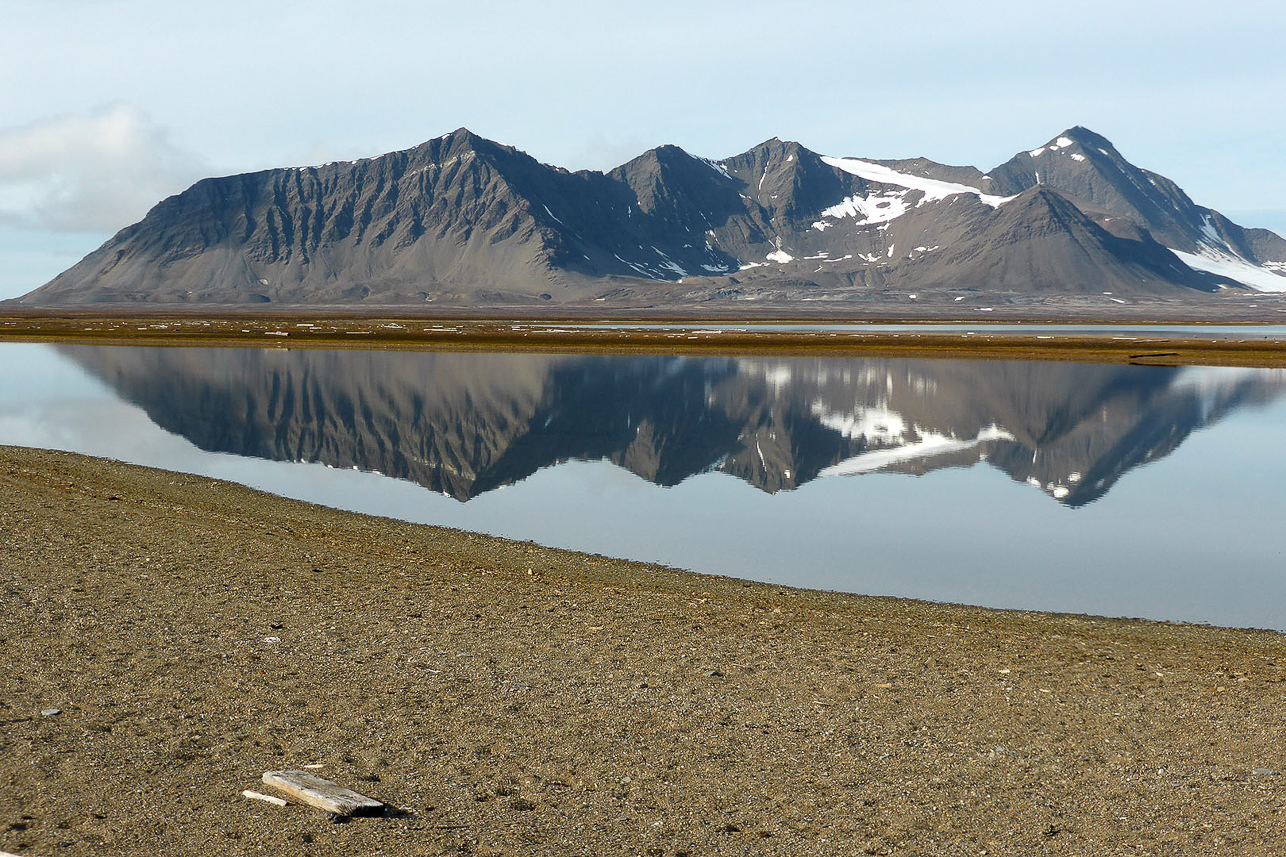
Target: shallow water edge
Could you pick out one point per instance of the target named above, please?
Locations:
(1164, 345)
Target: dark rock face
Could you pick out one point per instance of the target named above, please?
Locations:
(1088, 169)
(464, 221)
(1040, 240)
(450, 214)
(464, 424)
(1268, 247)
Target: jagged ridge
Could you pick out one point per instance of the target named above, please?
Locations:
(463, 220)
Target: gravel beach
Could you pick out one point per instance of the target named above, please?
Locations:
(165, 639)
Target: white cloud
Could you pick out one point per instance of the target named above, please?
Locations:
(96, 171)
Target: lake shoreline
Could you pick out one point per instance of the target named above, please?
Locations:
(517, 699)
(992, 339)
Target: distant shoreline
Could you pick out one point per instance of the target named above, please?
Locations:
(393, 331)
(891, 308)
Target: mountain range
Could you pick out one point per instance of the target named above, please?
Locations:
(466, 424)
(467, 222)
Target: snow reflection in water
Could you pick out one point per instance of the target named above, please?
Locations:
(828, 443)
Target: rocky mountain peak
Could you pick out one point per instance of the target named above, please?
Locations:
(463, 220)
(1085, 137)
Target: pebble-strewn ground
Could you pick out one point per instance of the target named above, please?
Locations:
(511, 699)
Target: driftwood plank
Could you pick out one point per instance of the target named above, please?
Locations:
(322, 794)
(275, 801)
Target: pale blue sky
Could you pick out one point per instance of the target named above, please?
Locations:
(109, 105)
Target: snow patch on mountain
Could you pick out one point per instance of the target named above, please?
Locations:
(714, 165)
(1215, 256)
(1208, 230)
(643, 272)
(933, 189)
(876, 208)
(1225, 265)
(668, 263)
(1060, 143)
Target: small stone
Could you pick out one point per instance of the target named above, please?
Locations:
(1264, 772)
(50, 712)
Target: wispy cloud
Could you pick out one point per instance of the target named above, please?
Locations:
(96, 171)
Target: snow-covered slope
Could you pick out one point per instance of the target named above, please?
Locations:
(931, 189)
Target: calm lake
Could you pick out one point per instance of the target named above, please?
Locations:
(1114, 490)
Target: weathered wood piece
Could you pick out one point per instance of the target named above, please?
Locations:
(253, 795)
(322, 794)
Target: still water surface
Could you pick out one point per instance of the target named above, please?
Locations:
(1115, 490)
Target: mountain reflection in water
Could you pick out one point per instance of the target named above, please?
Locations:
(463, 424)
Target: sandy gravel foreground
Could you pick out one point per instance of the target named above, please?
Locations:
(512, 699)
